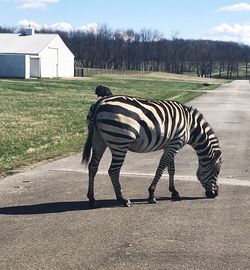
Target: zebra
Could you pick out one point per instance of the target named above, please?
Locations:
(124, 123)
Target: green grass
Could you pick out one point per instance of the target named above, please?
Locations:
(45, 119)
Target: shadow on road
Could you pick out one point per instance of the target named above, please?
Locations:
(59, 207)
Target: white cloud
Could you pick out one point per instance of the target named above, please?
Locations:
(25, 23)
(230, 32)
(91, 27)
(236, 7)
(41, 4)
(61, 26)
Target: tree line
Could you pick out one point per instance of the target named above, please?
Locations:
(148, 50)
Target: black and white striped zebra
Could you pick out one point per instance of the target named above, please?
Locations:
(124, 123)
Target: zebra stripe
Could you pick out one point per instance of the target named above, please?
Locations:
(124, 123)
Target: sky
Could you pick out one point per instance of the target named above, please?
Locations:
(189, 19)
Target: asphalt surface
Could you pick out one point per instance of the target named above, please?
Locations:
(45, 221)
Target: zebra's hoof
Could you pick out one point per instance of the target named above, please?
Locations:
(91, 200)
(152, 200)
(92, 203)
(211, 194)
(127, 203)
(175, 196)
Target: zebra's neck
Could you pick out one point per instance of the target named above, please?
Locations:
(202, 137)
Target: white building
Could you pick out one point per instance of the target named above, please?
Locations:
(33, 55)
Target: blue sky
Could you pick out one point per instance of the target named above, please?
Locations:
(192, 19)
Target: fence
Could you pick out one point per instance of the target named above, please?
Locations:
(89, 72)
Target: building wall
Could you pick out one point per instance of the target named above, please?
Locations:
(27, 66)
(57, 60)
(48, 62)
(12, 65)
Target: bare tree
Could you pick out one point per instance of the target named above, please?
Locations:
(149, 50)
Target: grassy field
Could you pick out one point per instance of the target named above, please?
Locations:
(44, 119)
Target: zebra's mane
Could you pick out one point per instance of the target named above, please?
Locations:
(195, 113)
(210, 133)
(193, 110)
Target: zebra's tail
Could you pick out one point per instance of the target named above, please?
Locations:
(86, 154)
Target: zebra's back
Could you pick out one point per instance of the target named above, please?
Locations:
(141, 125)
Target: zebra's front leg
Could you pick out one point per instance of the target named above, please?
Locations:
(160, 169)
(171, 171)
(114, 173)
(167, 160)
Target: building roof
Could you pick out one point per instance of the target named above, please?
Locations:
(29, 44)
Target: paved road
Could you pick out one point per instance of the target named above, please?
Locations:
(45, 222)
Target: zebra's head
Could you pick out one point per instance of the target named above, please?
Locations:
(208, 173)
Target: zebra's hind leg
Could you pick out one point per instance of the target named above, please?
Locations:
(97, 154)
(114, 173)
